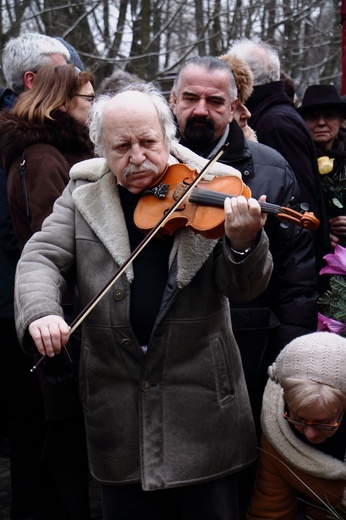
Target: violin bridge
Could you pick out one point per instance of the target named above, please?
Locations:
(179, 190)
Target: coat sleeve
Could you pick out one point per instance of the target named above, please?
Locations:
(294, 283)
(47, 261)
(273, 497)
(247, 279)
(46, 175)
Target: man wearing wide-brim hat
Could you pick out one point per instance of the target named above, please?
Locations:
(324, 113)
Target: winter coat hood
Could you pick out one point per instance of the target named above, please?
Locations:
(63, 132)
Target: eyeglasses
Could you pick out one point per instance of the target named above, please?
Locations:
(88, 98)
(317, 426)
(326, 116)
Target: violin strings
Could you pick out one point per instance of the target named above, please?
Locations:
(214, 198)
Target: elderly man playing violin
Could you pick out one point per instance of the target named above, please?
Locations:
(167, 414)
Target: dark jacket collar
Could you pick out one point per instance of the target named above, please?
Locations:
(236, 149)
(264, 96)
(339, 147)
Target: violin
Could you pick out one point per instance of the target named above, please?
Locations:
(203, 212)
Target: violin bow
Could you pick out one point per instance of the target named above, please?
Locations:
(94, 301)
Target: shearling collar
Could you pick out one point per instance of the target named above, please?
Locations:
(301, 455)
(97, 199)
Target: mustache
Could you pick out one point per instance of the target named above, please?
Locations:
(200, 120)
(146, 166)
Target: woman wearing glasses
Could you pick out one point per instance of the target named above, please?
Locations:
(302, 465)
(46, 132)
(324, 113)
(43, 136)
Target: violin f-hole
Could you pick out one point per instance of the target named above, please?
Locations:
(182, 207)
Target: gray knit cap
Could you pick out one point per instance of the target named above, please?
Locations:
(319, 357)
(73, 53)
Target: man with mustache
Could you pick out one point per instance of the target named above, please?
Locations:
(168, 419)
(203, 100)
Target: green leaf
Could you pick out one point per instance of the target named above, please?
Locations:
(337, 203)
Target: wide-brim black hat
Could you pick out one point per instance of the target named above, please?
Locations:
(322, 97)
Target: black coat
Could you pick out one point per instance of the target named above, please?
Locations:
(288, 308)
(292, 295)
(9, 249)
(337, 176)
(50, 150)
(278, 125)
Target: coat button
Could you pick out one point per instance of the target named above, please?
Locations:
(118, 294)
(146, 386)
(126, 342)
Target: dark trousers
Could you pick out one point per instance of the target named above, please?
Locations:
(25, 423)
(48, 459)
(215, 500)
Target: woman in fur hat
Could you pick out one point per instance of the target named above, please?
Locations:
(302, 459)
(324, 113)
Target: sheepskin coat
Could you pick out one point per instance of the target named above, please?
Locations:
(180, 413)
(290, 468)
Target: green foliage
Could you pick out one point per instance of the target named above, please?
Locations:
(334, 190)
(333, 302)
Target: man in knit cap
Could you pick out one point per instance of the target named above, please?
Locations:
(74, 56)
(302, 460)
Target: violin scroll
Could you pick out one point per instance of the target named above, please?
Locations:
(307, 219)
